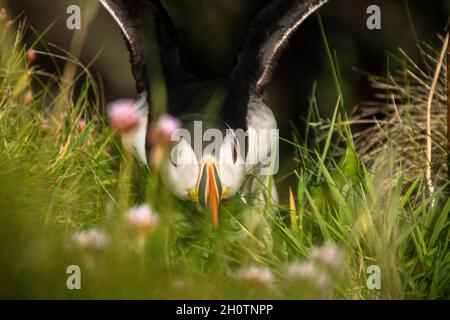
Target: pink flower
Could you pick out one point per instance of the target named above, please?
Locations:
(81, 125)
(160, 136)
(161, 132)
(142, 218)
(31, 56)
(329, 256)
(255, 275)
(167, 124)
(28, 97)
(123, 116)
(91, 239)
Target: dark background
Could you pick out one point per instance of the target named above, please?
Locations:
(211, 31)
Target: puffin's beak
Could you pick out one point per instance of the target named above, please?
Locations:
(210, 190)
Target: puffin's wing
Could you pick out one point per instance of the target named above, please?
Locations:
(136, 18)
(269, 34)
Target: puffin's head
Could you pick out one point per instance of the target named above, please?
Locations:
(208, 178)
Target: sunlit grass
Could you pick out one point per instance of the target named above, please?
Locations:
(61, 175)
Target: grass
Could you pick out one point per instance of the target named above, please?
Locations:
(58, 177)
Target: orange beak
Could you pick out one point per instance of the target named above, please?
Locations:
(210, 190)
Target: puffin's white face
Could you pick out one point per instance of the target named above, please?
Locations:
(207, 180)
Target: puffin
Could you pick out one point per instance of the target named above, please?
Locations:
(246, 156)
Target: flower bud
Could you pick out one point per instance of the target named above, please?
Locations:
(123, 116)
(31, 56)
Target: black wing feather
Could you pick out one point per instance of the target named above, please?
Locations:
(134, 18)
(269, 34)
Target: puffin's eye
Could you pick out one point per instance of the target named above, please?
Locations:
(176, 154)
(172, 157)
(173, 162)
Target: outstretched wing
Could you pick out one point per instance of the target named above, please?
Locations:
(137, 19)
(269, 34)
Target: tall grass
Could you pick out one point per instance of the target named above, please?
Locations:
(60, 175)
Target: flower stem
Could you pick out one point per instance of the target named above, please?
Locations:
(125, 179)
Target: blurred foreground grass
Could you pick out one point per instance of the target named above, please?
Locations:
(59, 174)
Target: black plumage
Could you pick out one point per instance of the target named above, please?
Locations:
(267, 36)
